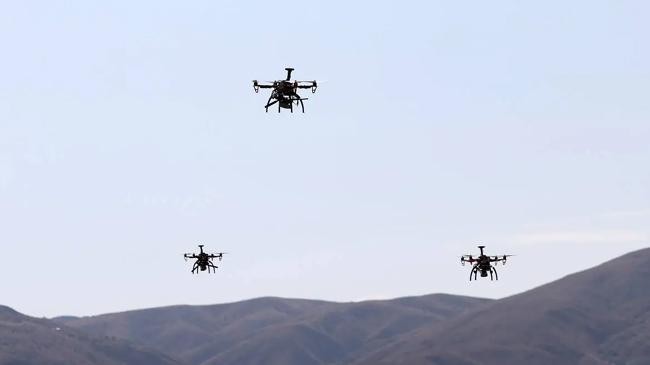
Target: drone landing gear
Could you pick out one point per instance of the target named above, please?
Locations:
(474, 272)
(290, 99)
(493, 273)
(211, 265)
(298, 99)
(269, 103)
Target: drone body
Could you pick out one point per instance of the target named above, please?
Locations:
(483, 264)
(285, 92)
(203, 260)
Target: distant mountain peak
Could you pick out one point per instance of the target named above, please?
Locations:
(596, 316)
(7, 313)
(27, 340)
(273, 330)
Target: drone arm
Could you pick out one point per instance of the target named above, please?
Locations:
(217, 256)
(313, 86)
(257, 86)
(474, 269)
(499, 258)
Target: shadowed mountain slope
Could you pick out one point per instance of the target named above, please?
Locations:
(196, 333)
(598, 316)
(277, 331)
(27, 341)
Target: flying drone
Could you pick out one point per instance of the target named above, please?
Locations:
(285, 92)
(483, 264)
(203, 260)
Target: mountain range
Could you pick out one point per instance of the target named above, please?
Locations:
(276, 330)
(598, 316)
(29, 341)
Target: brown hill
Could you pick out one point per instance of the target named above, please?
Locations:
(598, 316)
(277, 331)
(27, 341)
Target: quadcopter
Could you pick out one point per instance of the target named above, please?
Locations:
(203, 260)
(285, 92)
(483, 264)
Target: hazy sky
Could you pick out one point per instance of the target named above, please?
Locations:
(130, 133)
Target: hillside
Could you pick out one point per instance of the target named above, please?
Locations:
(598, 316)
(277, 331)
(26, 341)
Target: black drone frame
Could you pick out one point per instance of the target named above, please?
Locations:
(203, 260)
(285, 92)
(483, 263)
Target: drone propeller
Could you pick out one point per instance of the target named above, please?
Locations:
(292, 81)
(502, 259)
(218, 255)
(466, 258)
(257, 85)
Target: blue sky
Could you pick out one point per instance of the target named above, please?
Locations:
(129, 133)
